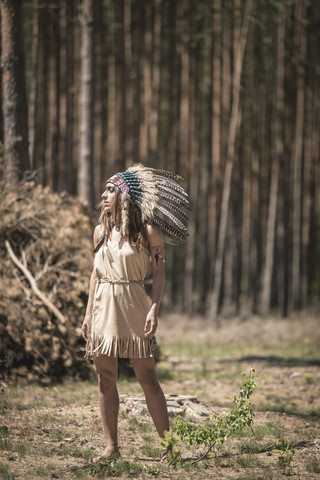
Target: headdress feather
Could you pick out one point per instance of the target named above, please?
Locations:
(159, 198)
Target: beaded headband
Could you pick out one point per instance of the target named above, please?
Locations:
(158, 197)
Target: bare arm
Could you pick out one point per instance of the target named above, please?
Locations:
(155, 241)
(92, 284)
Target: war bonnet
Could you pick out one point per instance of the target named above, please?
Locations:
(159, 198)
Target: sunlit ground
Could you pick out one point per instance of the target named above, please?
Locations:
(47, 432)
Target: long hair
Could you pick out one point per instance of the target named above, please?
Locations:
(126, 218)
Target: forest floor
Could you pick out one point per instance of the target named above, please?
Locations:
(51, 432)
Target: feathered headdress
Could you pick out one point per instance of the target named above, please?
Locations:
(158, 197)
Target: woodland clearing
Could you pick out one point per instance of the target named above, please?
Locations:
(52, 431)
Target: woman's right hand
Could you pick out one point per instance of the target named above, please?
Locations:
(85, 327)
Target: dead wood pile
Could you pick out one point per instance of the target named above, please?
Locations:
(45, 251)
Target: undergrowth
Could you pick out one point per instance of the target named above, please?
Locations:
(219, 429)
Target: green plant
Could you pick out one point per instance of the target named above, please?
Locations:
(286, 453)
(170, 444)
(217, 432)
(116, 469)
(308, 378)
(153, 470)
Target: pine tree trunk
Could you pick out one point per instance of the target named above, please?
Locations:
(129, 83)
(70, 176)
(275, 172)
(43, 92)
(145, 104)
(154, 107)
(14, 106)
(215, 147)
(53, 112)
(85, 172)
(192, 167)
(33, 79)
(110, 153)
(246, 174)
(231, 252)
(300, 47)
(174, 91)
(184, 84)
(229, 164)
(120, 99)
(307, 199)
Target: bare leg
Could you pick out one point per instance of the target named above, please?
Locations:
(146, 374)
(107, 370)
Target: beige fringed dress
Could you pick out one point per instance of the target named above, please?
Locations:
(120, 304)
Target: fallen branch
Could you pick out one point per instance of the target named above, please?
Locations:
(202, 457)
(33, 285)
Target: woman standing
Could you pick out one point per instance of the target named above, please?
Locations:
(139, 206)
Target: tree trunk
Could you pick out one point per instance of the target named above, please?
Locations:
(192, 167)
(120, 99)
(52, 121)
(174, 92)
(33, 79)
(129, 83)
(184, 84)
(247, 160)
(277, 161)
(229, 163)
(231, 250)
(215, 147)
(307, 197)
(153, 121)
(111, 107)
(70, 174)
(14, 107)
(43, 92)
(145, 83)
(85, 173)
(300, 48)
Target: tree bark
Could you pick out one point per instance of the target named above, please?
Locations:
(300, 48)
(33, 79)
(277, 160)
(53, 112)
(229, 164)
(174, 91)
(153, 121)
(215, 147)
(231, 245)
(70, 174)
(192, 167)
(129, 83)
(145, 80)
(15, 112)
(184, 84)
(120, 99)
(85, 173)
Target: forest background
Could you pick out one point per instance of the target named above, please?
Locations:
(226, 93)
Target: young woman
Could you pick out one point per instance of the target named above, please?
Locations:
(138, 206)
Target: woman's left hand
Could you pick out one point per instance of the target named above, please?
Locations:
(151, 324)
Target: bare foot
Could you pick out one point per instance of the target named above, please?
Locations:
(164, 455)
(108, 455)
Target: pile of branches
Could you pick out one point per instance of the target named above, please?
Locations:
(46, 260)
